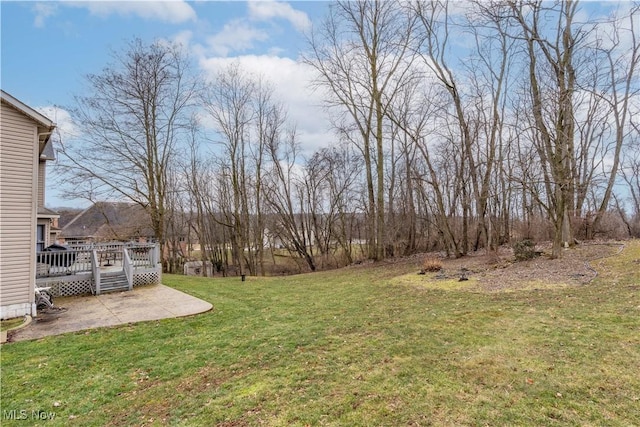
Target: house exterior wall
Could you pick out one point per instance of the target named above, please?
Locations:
(18, 207)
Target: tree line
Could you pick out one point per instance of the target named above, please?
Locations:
(458, 127)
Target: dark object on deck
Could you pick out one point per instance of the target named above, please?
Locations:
(59, 257)
(55, 247)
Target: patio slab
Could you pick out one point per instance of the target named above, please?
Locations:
(79, 313)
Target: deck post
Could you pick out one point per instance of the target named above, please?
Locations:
(127, 266)
(157, 262)
(155, 255)
(95, 270)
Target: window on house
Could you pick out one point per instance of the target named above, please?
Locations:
(40, 238)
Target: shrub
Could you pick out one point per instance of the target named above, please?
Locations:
(524, 250)
(493, 258)
(431, 263)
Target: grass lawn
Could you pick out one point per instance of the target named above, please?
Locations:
(5, 325)
(353, 347)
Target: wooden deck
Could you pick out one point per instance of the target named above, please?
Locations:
(98, 268)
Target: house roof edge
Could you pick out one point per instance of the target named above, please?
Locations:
(26, 110)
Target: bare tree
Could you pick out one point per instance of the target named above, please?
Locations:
(476, 93)
(177, 222)
(330, 177)
(131, 121)
(285, 197)
(362, 53)
(630, 172)
(621, 86)
(229, 102)
(199, 176)
(551, 54)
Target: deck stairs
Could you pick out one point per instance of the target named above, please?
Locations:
(115, 281)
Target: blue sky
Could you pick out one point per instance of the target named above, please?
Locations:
(47, 48)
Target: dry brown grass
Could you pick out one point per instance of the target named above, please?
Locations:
(431, 264)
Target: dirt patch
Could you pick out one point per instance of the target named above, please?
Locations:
(574, 268)
(498, 271)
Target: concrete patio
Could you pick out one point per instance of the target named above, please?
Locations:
(79, 313)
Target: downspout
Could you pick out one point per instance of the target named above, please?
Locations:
(34, 308)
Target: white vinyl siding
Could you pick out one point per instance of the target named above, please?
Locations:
(18, 193)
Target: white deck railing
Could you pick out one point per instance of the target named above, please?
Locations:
(79, 258)
(61, 263)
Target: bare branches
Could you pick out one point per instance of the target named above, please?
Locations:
(363, 54)
(132, 120)
(459, 126)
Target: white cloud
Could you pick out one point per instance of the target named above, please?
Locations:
(43, 11)
(171, 11)
(183, 38)
(65, 126)
(235, 36)
(267, 10)
(291, 81)
(242, 34)
(174, 11)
